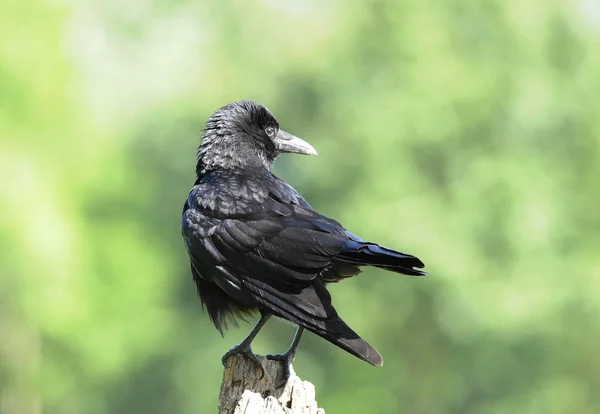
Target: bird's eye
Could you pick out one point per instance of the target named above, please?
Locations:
(270, 131)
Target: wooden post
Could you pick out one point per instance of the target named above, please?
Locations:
(244, 392)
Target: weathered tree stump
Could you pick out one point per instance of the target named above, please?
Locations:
(244, 392)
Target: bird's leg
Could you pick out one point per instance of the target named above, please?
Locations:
(245, 347)
(288, 357)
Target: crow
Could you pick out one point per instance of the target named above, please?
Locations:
(256, 245)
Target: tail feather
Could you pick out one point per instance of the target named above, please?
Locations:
(312, 310)
(349, 341)
(371, 254)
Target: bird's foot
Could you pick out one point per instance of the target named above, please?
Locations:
(286, 359)
(246, 351)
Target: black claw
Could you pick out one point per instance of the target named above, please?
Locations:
(286, 360)
(246, 351)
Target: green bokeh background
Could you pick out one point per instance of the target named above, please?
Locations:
(466, 132)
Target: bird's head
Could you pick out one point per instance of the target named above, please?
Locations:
(245, 134)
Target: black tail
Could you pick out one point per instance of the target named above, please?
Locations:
(312, 309)
(371, 254)
(350, 342)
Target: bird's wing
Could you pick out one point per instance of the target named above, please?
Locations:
(270, 233)
(281, 243)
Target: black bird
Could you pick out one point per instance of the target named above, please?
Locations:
(256, 245)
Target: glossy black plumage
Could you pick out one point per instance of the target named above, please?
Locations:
(256, 244)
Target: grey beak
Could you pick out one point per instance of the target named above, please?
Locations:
(286, 142)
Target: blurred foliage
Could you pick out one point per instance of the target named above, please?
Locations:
(465, 132)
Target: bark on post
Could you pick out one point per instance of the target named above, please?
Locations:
(244, 392)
